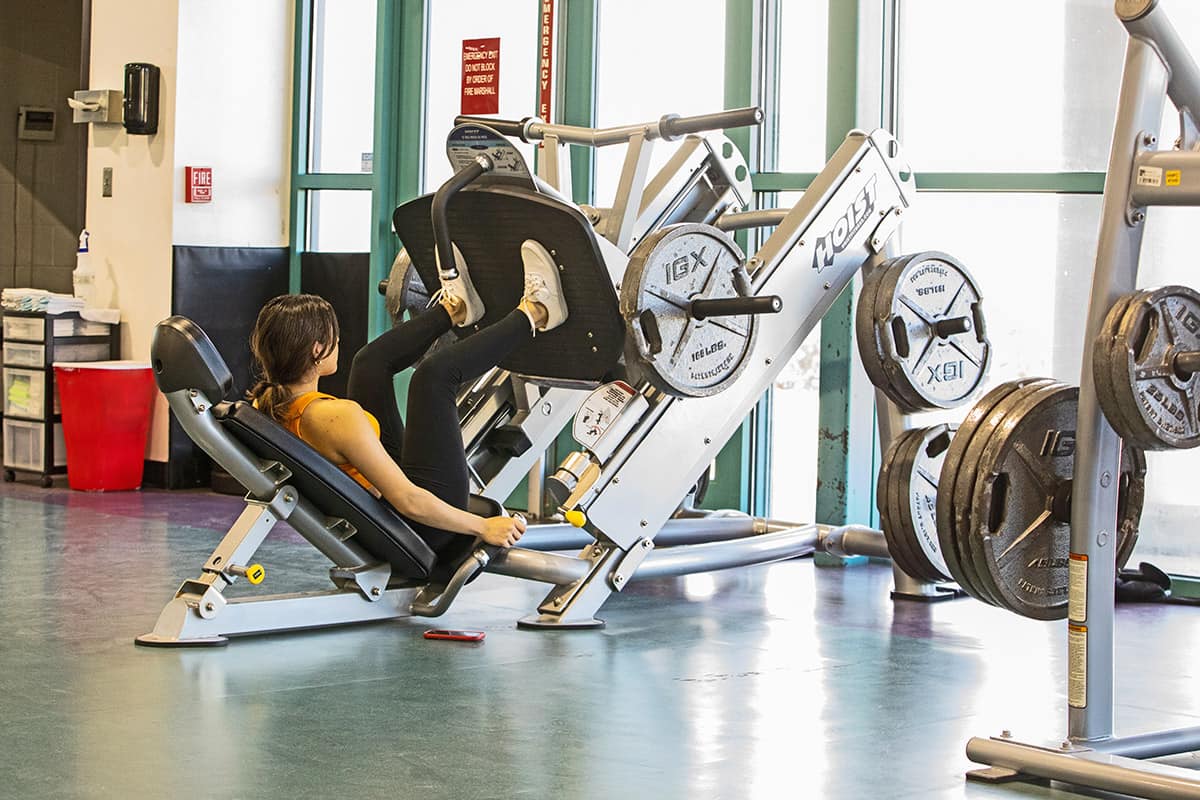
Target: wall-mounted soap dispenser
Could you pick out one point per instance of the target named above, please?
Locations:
(141, 98)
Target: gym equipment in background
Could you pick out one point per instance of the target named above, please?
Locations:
(1133, 351)
(490, 206)
(507, 421)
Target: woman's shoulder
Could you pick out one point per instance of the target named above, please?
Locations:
(329, 408)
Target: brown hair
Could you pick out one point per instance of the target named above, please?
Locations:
(282, 340)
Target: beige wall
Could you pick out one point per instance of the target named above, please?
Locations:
(225, 102)
(235, 115)
(40, 182)
(132, 230)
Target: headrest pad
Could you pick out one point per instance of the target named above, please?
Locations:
(184, 357)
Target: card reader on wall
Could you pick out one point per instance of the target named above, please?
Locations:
(141, 98)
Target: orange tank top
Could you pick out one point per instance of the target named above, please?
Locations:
(291, 421)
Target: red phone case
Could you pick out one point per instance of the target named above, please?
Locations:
(455, 636)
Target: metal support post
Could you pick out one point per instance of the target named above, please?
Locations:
(1098, 454)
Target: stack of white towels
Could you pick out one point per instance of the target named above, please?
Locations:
(39, 300)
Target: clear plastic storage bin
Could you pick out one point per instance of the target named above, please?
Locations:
(24, 443)
(28, 328)
(81, 352)
(17, 354)
(25, 392)
(79, 327)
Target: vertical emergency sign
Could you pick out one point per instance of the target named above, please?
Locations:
(546, 61)
(481, 76)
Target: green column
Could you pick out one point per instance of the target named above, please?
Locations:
(842, 494)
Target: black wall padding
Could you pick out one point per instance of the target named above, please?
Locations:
(488, 226)
(342, 279)
(221, 289)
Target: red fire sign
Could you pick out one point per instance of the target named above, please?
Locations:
(198, 183)
(546, 60)
(481, 76)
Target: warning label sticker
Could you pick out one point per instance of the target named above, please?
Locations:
(1077, 654)
(1174, 177)
(1077, 582)
(1150, 176)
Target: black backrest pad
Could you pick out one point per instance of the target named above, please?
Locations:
(183, 357)
(381, 531)
(488, 225)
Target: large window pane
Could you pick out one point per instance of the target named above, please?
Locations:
(1023, 85)
(343, 86)
(339, 221)
(515, 22)
(795, 412)
(803, 68)
(655, 59)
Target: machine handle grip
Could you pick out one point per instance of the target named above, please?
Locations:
(439, 218)
(735, 306)
(672, 126)
(508, 127)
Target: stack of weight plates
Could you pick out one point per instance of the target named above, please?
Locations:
(921, 333)
(1004, 498)
(906, 495)
(1145, 364)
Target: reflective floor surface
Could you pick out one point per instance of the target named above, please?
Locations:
(786, 681)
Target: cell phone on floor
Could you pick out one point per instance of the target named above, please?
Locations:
(455, 636)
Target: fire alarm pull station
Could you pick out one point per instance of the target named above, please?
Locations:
(198, 182)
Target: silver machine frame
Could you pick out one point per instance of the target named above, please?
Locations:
(1157, 66)
(849, 214)
(641, 204)
(635, 526)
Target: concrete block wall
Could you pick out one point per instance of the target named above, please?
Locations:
(41, 183)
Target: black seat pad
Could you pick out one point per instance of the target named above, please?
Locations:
(488, 225)
(381, 531)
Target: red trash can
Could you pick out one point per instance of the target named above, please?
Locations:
(105, 417)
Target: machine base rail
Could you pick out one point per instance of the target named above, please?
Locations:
(180, 626)
(1082, 765)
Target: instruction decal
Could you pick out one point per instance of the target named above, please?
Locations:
(1077, 671)
(481, 76)
(600, 410)
(1077, 588)
(1174, 177)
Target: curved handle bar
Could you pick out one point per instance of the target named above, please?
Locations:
(437, 210)
(668, 127)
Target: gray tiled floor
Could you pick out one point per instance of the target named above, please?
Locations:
(775, 682)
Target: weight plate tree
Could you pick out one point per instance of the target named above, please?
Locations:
(665, 344)
(1004, 500)
(921, 332)
(1146, 360)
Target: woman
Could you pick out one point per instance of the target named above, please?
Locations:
(420, 469)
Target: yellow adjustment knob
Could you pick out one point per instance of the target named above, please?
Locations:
(255, 574)
(576, 517)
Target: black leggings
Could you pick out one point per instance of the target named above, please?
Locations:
(429, 449)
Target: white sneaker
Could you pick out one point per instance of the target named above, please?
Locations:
(542, 283)
(459, 288)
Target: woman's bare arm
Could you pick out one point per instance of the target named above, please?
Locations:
(339, 430)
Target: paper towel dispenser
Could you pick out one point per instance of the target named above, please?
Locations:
(96, 105)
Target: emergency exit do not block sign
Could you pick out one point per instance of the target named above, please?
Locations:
(481, 76)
